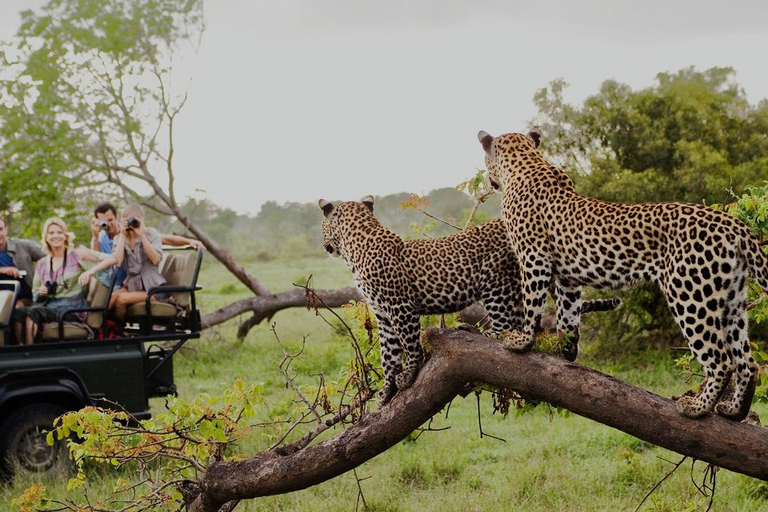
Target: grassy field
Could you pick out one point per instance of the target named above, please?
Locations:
(545, 462)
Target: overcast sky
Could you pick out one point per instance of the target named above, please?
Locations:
(296, 100)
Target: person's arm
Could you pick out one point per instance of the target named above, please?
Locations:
(38, 290)
(95, 231)
(152, 244)
(10, 271)
(179, 241)
(119, 250)
(103, 261)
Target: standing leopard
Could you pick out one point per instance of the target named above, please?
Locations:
(404, 279)
(700, 257)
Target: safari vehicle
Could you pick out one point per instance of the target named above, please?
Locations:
(76, 365)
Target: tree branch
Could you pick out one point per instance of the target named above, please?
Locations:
(459, 358)
(263, 307)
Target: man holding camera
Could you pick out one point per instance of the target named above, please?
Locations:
(105, 227)
(16, 262)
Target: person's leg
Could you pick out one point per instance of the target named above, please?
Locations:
(31, 331)
(18, 333)
(124, 299)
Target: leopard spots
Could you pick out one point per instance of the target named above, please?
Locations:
(699, 256)
(404, 279)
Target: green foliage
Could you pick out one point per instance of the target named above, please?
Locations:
(176, 444)
(364, 370)
(691, 137)
(752, 209)
(82, 94)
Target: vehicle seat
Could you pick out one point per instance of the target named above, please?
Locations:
(97, 297)
(7, 303)
(180, 267)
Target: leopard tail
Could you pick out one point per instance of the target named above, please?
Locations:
(591, 306)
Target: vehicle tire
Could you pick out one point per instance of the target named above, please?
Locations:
(23, 447)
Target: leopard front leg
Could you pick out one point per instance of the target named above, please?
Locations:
(503, 310)
(536, 273)
(408, 325)
(569, 305)
(391, 354)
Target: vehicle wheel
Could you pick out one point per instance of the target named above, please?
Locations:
(23, 448)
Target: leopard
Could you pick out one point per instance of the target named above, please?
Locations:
(700, 257)
(403, 280)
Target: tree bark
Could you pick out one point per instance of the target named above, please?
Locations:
(459, 358)
(263, 307)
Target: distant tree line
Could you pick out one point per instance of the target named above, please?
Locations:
(292, 230)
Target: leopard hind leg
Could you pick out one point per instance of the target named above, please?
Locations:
(702, 322)
(504, 309)
(746, 368)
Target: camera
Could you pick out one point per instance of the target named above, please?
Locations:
(51, 287)
(103, 224)
(133, 222)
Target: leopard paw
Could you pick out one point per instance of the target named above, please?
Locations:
(570, 351)
(386, 394)
(515, 341)
(405, 379)
(732, 410)
(691, 407)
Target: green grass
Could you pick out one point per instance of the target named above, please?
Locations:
(546, 461)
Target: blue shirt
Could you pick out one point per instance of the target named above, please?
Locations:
(106, 245)
(6, 260)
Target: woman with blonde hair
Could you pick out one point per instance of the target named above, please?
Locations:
(60, 281)
(139, 250)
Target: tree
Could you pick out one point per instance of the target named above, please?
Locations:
(88, 107)
(691, 137)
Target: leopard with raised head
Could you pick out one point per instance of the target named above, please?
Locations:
(700, 257)
(404, 279)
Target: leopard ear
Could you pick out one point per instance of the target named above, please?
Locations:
(486, 140)
(326, 206)
(368, 201)
(535, 134)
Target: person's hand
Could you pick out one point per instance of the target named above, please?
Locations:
(43, 291)
(95, 227)
(85, 277)
(197, 244)
(10, 271)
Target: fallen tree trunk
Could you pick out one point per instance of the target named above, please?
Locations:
(459, 358)
(263, 307)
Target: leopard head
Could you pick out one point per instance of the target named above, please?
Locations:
(331, 227)
(505, 151)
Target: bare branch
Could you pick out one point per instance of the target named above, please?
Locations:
(658, 484)
(265, 307)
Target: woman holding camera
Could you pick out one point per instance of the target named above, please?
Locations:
(60, 279)
(138, 249)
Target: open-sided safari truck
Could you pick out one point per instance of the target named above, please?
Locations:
(79, 364)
